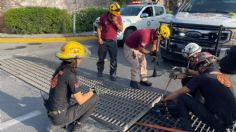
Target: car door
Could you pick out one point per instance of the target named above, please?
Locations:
(146, 17)
(159, 14)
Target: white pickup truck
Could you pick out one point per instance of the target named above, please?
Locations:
(136, 17)
(209, 23)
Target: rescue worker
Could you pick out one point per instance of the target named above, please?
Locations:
(134, 51)
(219, 109)
(109, 25)
(65, 85)
(228, 64)
(190, 52)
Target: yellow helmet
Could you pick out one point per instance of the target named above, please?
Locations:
(72, 50)
(114, 8)
(164, 31)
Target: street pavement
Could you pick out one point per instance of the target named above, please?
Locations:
(21, 105)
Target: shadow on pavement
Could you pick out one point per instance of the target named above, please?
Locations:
(14, 108)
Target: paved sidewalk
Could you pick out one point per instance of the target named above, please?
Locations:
(42, 38)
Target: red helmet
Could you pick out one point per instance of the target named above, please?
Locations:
(204, 59)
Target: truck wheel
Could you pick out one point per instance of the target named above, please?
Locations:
(126, 34)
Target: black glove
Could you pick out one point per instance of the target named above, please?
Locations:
(153, 53)
(93, 90)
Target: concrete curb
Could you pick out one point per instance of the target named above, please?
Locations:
(46, 40)
(40, 38)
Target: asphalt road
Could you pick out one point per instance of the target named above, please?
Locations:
(21, 107)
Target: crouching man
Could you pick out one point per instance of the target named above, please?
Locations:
(135, 51)
(65, 85)
(219, 108)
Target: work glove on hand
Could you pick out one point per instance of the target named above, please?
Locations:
(182, 70)
(178, 72)
(93, 90)
(173, 75)
(153, 53)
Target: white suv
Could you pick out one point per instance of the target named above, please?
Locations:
(139, 16)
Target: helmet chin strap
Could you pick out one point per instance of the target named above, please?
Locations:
(76, 62)
(73, 62)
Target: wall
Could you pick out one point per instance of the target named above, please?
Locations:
(63, 4)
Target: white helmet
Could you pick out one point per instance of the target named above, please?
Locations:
(191, 49)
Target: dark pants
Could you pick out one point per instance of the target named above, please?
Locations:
(111, 47)
(186, 103)
(76, 112)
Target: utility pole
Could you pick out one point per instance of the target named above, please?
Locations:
(74, 17)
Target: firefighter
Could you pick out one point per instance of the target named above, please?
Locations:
(65, 85)
(219, 108)
(109, 25)
(190, 52)
(228, 64)
(134, 51)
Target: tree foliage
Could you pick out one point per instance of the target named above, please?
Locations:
(86, 17)
(35, 20)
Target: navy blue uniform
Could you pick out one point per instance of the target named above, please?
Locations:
(219, 108)
(63, 85)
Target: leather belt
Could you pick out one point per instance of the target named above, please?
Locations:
(55, 112)
(108, 40)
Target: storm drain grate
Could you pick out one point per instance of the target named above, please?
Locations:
(119, 108)
(159, 116)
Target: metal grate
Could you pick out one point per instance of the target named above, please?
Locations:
(119, 108)
(159, 115)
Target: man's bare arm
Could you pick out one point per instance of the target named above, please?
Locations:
(82, 98)
(99, 28)
(119, 27)
(143, 50)
(176, 93)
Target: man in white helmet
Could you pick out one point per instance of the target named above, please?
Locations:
(190, 52)
(219, 108)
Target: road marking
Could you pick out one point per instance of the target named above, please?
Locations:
(46, 40)
(6, 124)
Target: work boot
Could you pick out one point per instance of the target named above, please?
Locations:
(78, 126)
(99, 74)
(134, 84)
(113, 77)
(146, 83)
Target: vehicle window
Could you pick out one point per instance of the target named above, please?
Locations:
(159, 11)
(149, 11)
(131, 10)
(209, 6)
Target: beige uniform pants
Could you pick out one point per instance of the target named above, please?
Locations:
(138, 63)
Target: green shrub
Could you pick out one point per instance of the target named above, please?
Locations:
(86, 17)
(35, 20)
